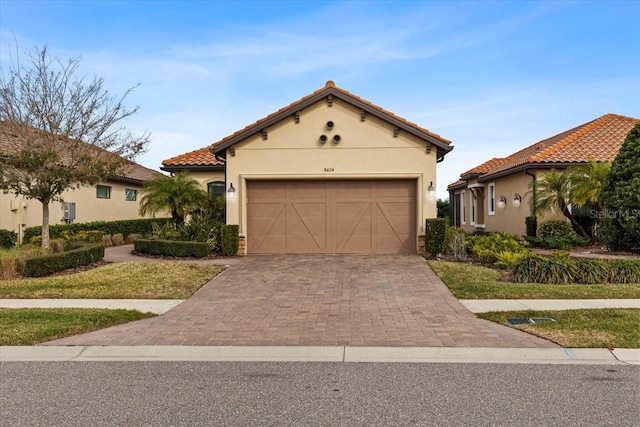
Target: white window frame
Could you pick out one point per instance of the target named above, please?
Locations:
(472, 213)
(491, 206)
(463, 208)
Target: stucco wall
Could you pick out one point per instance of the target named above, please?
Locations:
(205, 177)
(367, 149)
(18, 213)
(510, 218)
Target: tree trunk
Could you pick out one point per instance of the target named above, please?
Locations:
(575, 223)
(45, 224)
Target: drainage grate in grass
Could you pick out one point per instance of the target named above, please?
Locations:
(528, 320)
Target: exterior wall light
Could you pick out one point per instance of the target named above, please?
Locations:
(431, 192)
(231, 192)
(502, 202)
(517, 199)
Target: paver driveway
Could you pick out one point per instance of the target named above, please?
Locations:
(355, 300)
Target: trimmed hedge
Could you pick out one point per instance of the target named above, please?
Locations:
(47, 264)
(230, 239)
(174, 248)
(531, 223)
(124, 227)
(8, 239)
(434, 236)
(563, 270)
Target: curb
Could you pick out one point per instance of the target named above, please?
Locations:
(597, 356)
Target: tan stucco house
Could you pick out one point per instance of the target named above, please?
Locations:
(495, 196)
(116, 198)
(329, 173)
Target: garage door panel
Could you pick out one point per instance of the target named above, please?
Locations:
(331, 217)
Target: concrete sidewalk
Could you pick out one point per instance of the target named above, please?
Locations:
(484, 306)
(475, 306)
(156, 306)
(339, 354)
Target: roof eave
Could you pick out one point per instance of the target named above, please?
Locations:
(525, 167)
(202, 168)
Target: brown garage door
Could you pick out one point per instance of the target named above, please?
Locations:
(331, 217)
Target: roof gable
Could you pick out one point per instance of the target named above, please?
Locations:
(329, 92)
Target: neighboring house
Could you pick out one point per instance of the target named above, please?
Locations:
(203, 166)
(331, 173)
(495, 195)
(113, 199)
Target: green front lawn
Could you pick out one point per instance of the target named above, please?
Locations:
(29, 326)
(593, 328)
(135, 280)
(469, 281)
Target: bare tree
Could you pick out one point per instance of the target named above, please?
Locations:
(60, 131)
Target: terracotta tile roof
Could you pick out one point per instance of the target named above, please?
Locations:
(483, 168)
(133, 172)
(329, 88)
(198, 158)
(456, 184)
(598, 140)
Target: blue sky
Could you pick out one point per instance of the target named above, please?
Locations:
(492, 77)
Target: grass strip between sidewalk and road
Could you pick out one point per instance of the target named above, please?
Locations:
(128, 280)
(29, 326)
(589, 328)
(470, 281)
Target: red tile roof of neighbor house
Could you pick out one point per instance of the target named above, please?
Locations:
(598, 140)
(132, 172)
(194, 159)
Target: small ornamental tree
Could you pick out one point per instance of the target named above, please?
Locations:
(59, 131)
(179, 194)
(620, 198)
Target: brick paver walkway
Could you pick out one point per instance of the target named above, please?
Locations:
(323, 300)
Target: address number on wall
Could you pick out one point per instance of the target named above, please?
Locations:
(328, 169)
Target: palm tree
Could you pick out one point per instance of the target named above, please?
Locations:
(587, 181)
(553, 193)
(178, 193)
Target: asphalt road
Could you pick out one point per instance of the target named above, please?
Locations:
(314, 394)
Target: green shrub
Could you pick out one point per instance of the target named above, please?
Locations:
(8, 239)
(563, 269)
(126, 227)
(165, 231)
(556, 229)
(620, 197)
(625, 271)
(434, 236)
(47, 264)
(173, 248)
(200, 228)
(539, 269)
(592, 271)
(508, 260)
(449, 233)
(230, 239)
(531, 223)
(488, 246)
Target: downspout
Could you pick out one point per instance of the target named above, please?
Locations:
(451, 207)
(533, 194)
